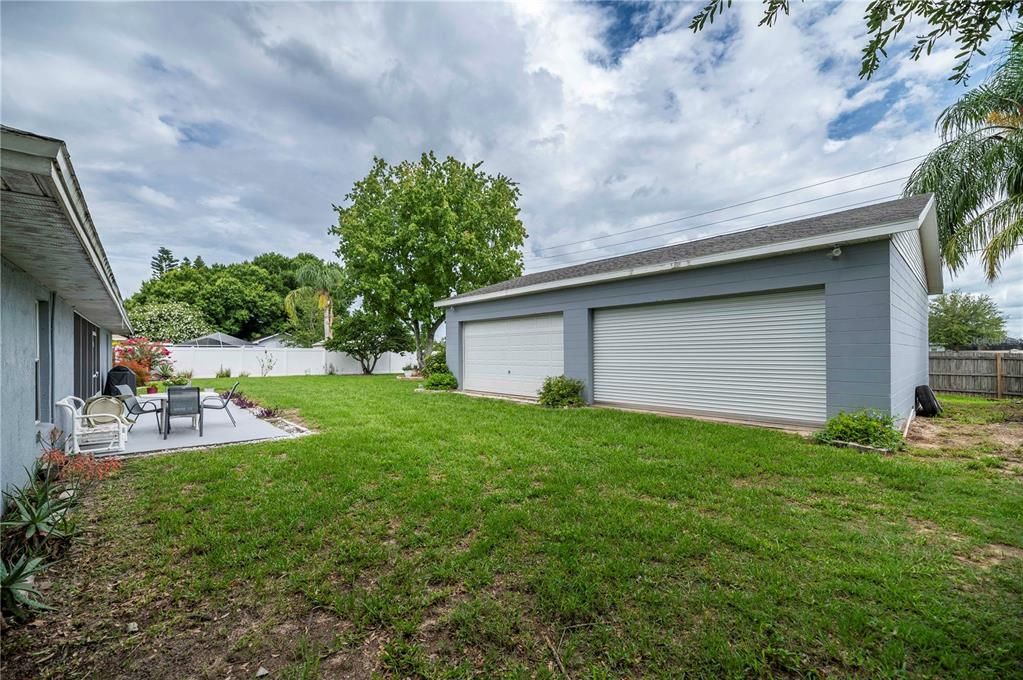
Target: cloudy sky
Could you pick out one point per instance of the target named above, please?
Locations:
(226, 130)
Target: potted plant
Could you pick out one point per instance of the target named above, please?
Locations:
(409, 370)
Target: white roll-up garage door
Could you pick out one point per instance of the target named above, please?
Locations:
(512, 356)
(757, 357)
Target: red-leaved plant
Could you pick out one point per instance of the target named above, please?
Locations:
(80, 468)
(142, 356)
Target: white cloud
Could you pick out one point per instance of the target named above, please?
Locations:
(154, 197)
(221, 202)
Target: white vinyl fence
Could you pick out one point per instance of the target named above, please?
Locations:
(205, 362)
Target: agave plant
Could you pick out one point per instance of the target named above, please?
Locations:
(37, 514)
(164, 371)
(976, 173)
(18, 595)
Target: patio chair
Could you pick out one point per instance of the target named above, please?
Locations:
(182, 401)
(218, 402)
(97, 432)
(136, 409)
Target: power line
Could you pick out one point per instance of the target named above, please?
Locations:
(710, 224)
(734, 205)
(725, 233)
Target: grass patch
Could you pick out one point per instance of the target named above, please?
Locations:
(445, 536)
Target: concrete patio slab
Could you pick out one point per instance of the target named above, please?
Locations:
(145, 437)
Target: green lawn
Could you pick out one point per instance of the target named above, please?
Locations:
(448, 536)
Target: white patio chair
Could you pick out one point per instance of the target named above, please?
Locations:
(94, 432)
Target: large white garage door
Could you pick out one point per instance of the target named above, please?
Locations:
(760, 357)
(512, 356)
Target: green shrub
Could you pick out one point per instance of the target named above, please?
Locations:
(560, 391)
(19, 597)
(441, 381)
(436, 362)
(866, 427)
(223, 373)
(38, 518)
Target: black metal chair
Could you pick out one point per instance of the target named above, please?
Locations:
(181, 402)
(137, 409)
(219, 402)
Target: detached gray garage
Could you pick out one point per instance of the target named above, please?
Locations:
(786, 324)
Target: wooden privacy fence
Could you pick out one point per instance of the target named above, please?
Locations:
(994, 374)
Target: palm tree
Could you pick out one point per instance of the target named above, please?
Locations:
(976, 174)
(319, 279)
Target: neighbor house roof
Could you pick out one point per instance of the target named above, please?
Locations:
(48, 231)
(871, 222)
(216, 339)
(266, 338)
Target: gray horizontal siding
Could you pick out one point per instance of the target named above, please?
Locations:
(857, 304)
(909, 320)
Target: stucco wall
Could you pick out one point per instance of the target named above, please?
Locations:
(857, 302)
(18, 427)
(909, 348)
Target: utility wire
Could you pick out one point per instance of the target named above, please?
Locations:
(726, 233)
(535, 258)
(735, 205)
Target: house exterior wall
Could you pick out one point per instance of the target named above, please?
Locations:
(19, 444)
(857, 303)
(909, 318)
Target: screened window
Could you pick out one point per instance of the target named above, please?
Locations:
(44, 362)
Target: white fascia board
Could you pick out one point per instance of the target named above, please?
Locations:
(798, 245)
(928, 225)
(73, 205)
(30, 145)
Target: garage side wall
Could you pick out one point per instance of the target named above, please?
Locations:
(857, 302)
(909, 318)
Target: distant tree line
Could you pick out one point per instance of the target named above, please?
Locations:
(245, 299)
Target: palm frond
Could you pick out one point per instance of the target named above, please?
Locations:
(976, 173)
(1003, 227)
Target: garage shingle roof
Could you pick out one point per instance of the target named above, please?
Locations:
(898, 210)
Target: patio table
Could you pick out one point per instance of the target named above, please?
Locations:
(162, 396)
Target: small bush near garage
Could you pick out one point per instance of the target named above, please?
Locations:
(866, 427)
(436, 362)
(441, 381)
(560, 391)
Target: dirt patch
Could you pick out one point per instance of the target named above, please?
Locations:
(295, 416)
(991, 555)
(993, 435)
(930, 529)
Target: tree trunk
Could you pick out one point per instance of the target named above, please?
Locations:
(417, 335)
(328, 319)
(368, 368)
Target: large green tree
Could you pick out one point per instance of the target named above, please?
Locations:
(168, 321)
(416, 232)
(976, 174)
(367, 335)
(958, 319)
(968, 23)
